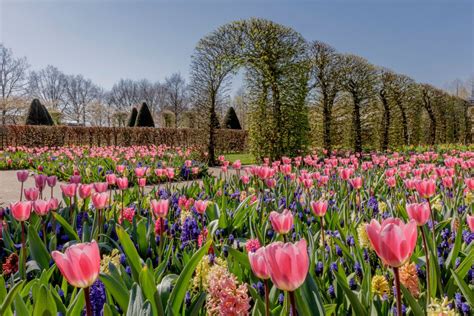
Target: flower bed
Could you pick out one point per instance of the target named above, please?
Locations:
(380, 234)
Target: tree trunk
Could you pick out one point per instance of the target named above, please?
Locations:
(357, 125)
(404, 123)
(211, 155)
(327, 117)
(386, 121)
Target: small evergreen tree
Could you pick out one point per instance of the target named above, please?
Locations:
(38, 114)
(231, 120)
(132, 118)
(144, 117)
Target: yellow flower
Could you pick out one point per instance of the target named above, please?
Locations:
(184, 214)
(469, 198)
(204, 269)
(363, 237)
(409, 278)
(437, 206)
(382, 206)
(113, 258)
(380, 286)
(437, 308)
(243, 195)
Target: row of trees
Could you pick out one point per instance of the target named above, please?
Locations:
(300, 93)
(76, 99)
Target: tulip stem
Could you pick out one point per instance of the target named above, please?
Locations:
(21, 192)
(432, 222)
(88, 301)
(294, 312)
(23, 248)
(397, 286)
(44, 231)
(322, 231)
(425, 247)
(267, 300)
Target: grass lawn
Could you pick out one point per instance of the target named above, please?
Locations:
(245, 158)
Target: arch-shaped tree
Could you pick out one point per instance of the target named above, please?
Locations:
(277, 72)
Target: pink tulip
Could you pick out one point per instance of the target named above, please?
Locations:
(41, 207)
(141, 182)
(122, 183)
(307, 183)
(188, 163)
(271, 183)
(110, 178)
(287, 263)
(195, 170)
(22, 175)
(160, 208)
(237, 165)
(346, 173)
(170, 173)
(281, 222)
(80, 263)
(259, 264)
(75, 179)
(469, 183)
(419, 212)
(391, 182)
(52, 181)
(120, 168)
(31, 194)
(425, 188)
(356, 182)
(245, 179)
(85, 191)
(393, 240)
(470, 222)
(140, 172)
(447, 182)
(100, 187)
(200, 206)
(100, 200)
(53, 204)
(69, 190)
(319, 207)
(40, 181)
(21, 210)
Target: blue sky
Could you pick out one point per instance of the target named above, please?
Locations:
(431, 41)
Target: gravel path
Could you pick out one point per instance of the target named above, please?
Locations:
(10, 187)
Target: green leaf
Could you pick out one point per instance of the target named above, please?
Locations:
(44, 303)
(466, 291)
(76, 306)
(197, 306)
(20, 306)
(117, 289)
(136, 304)
(179, 291)
(130, 251)
(309, 293)
(38, 250)
(356, 305)
(147, 283)
(241, 258)
(10, 297)
(67, 228)
(415, 307)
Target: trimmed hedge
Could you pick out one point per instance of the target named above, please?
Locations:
(38, 136)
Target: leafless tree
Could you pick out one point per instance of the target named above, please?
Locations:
(49, 85)
(151, 93)
(79, 94)
(124, 94)
(13, 74)
(176, 95)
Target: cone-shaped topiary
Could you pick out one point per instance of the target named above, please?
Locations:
(132, 118)
(38, 114)
(144, 117)
(231, 120)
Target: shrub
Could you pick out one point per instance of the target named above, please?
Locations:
(132, 118)
(144, 117)
(38, 114)
(231, 120)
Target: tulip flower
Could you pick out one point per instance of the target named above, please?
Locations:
(53, 204)
(469, 183)
(75, 179)
(470, 222)
(85, 191)
(21, 212)
(237, 165)
(425, 188)
(120, 168)
(356, 183)
(111, 178)
(40, 181)
(80, 265)
(100, 187)
(160, 208)
(41, 207)
(51, 180)
(288, 265)
(260, 269)
(122, 183)
(100, 200)
(69, 190)
(141, 182)
(394, 242)
(419, 212)
(31, 194)
(200, 206)
(319, 208)
(22, 176)
(281, 222)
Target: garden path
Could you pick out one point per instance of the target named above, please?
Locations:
(10, 187)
